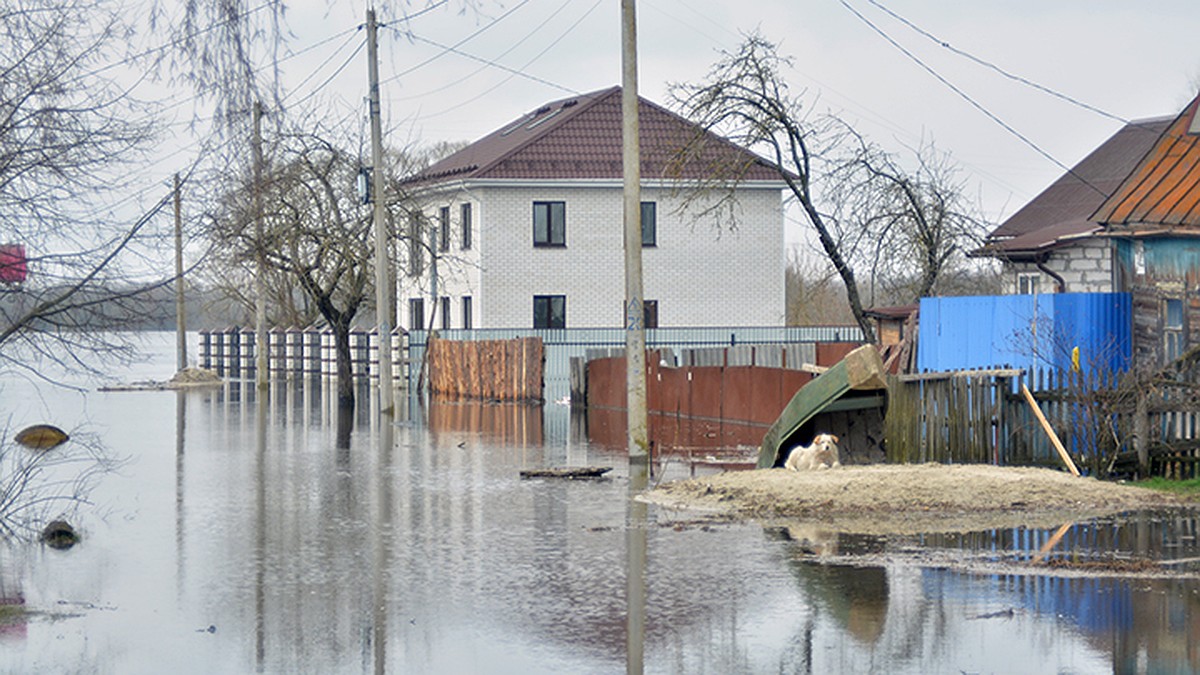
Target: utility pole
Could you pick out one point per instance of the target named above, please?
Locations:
(635, 324)
(382, 260)
(260, 281)
(180, 315)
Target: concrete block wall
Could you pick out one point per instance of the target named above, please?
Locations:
(1085, 267)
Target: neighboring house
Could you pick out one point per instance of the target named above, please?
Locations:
(527, 228)
(1124, 220)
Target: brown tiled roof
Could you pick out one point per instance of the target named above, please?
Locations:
(1164, 188)
(580, 138)
(1063, 211)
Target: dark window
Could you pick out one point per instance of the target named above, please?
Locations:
(466, 226)
(649, 224)
(1028, 283)
(445, 310)
(549, 223)
(466, 311)
(444, 228)
(549, 311)
(416, 314)
(650, 313)
(415, 259)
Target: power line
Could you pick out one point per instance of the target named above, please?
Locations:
(978, 106)
(521, 70)
(333, 75)
(991, 66)
(500, 66)
(489, 62)
(446, 50)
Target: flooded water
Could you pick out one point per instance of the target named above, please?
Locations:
(248, 537)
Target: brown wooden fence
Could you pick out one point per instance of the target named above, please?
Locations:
(504, 370)
(981, 416)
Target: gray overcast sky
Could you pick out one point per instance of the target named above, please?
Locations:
(1130, 59)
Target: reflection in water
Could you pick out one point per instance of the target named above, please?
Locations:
(417, 548)
(635, 569)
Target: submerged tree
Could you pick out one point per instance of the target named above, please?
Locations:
(316, 238)
(69, 130)
(869, 214)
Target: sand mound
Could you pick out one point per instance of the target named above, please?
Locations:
(888, 498)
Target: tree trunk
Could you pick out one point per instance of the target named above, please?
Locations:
(345, 377)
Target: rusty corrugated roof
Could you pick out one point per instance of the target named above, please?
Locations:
(1064, 210)
(1164, 188)
(579, 138)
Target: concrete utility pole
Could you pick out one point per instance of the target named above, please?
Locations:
(180, 315)
(382, 260)
(635, 325)
(260, 278)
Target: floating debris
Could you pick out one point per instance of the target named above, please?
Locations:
(42, 437)
(567, 472)
(59, 534)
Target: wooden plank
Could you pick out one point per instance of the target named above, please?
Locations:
(1037, 412)
(567, 472)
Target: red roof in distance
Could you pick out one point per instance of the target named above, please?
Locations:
(579, 138)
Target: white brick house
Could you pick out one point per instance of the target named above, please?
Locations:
(527, 225)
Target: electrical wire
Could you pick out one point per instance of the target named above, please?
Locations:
(316, 90)
(991, 66)
(493, 61)
(456, 45)
(978, 106)
(521, 69)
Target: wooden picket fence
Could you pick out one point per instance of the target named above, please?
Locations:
(982, 417)
(504, 370)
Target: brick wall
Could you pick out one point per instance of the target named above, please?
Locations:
(700, 276)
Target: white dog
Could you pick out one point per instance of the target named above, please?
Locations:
(822, 454)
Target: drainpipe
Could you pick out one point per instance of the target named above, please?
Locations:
(1060, 286)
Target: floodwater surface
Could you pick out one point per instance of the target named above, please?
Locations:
(246, 534)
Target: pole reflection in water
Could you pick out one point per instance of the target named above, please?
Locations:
(382, 537)
(180, 433)
(635, 569)
(260, 482)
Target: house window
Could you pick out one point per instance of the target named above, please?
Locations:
(415, 259)
(444, 228)
(1172, 316)
(649, 224)
(466, 312)
(549, 223)
(1029, 283)
(549, 311)
(466, 226)
(650, 313)
(416, 314)
(445, 310)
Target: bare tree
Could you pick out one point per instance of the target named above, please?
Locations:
(914, 224)
(317, 237)
(68, 134)
(869, 214)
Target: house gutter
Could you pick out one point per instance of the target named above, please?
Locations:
(1060, 285)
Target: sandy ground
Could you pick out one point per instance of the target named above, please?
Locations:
(907, 499)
